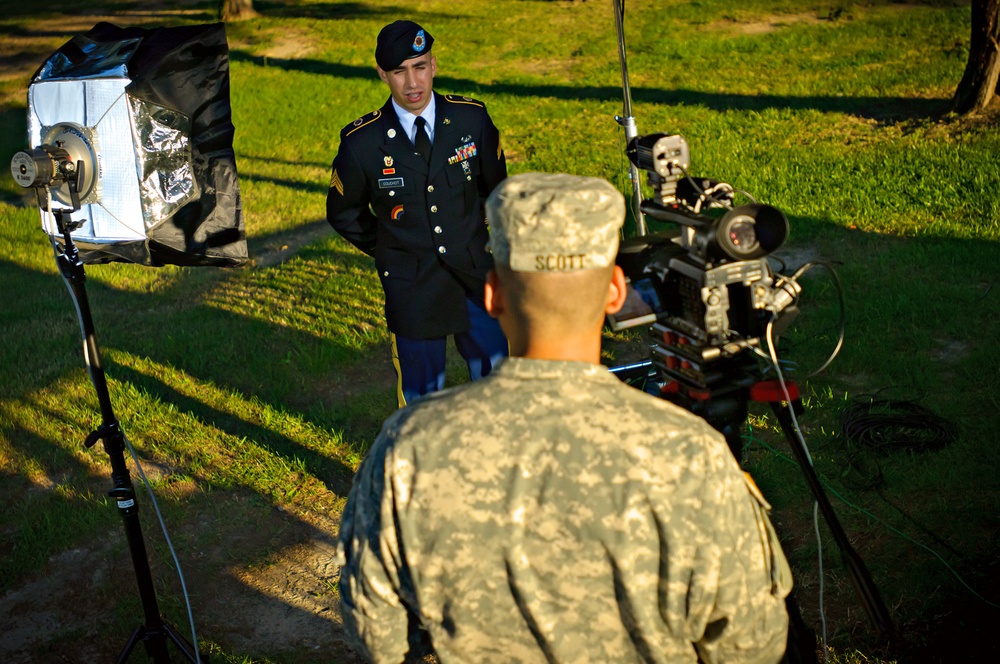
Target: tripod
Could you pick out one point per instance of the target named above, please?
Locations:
(154, 632)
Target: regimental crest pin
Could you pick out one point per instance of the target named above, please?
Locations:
(447, 121)
(388, 161)
(420, 41)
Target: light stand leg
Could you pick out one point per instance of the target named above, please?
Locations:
(154, 631)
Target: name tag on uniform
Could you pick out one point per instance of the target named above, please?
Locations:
(389, 183)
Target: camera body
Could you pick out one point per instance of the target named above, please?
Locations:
(706, 290)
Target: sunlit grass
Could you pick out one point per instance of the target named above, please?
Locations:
(257, 391)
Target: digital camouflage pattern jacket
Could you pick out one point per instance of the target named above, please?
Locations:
(550, 513)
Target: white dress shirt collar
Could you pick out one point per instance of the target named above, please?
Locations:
(406, 119)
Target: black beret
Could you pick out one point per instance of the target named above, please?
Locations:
(401, 40)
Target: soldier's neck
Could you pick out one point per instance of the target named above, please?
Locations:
(577, 349)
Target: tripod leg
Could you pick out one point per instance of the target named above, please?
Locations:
(130, 645)
(860, 576)
(182, 644)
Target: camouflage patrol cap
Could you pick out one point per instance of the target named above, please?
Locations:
(553, 222)
(399, 41)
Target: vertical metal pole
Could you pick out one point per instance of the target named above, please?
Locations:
(626, 120)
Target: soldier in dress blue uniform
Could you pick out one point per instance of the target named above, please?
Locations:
(408, 188)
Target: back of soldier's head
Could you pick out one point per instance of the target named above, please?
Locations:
(554, 238)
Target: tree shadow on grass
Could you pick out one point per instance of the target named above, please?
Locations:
(881, 109)
(220, 540)
(173, 328)
(308, 186)
(333, 11)
(332, 472)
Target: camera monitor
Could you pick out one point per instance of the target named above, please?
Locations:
(131, 130)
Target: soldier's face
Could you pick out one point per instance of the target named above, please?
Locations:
(411, 82)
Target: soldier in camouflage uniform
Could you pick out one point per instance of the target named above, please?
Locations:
(550, 513)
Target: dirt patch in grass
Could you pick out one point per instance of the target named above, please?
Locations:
(769, 24)
(288, 46)
(284, 604)
(278, 248)
(24, 47)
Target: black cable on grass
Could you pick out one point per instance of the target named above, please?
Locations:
(885, 426)
(752, 438)
(878, 427)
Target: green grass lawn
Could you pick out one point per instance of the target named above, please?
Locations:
(251, 395)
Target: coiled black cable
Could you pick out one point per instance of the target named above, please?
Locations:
(878, 427)
(890, 425)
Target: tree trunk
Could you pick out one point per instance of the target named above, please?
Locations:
(241, 10)
(979, 83)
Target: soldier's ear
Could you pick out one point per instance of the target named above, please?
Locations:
(493, 295)
(381, 74)
(616, 291)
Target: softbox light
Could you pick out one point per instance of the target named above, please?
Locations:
(146, 113)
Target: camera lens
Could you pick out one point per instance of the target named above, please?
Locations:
(737, 236)
(750, 231)
(742, 235)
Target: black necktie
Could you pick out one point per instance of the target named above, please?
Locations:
(422, 140)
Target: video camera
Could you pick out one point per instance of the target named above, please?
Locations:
(707, 289)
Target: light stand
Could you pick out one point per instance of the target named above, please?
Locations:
(154, 632)
(722, 394)
(626, 120)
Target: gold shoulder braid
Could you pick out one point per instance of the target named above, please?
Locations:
(362, 121)
(459, 99)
